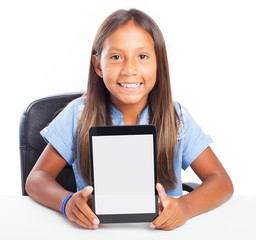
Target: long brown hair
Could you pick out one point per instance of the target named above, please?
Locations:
(162, 112)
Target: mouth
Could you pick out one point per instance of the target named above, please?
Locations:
(130, 85)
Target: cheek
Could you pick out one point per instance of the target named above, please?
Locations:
(149, 75)
(110, 79)
(109, 73)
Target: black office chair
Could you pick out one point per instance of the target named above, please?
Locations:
(36, 116)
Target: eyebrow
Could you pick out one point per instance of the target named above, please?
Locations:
(139, 49)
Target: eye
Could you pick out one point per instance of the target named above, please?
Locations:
(115, 57)
(143, 56)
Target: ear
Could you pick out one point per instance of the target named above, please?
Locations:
(97, 66)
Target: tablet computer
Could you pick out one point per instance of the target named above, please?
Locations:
(123, 169)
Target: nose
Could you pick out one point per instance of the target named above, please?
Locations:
(130, 67)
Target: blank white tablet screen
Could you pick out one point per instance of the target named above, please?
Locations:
(123, 168)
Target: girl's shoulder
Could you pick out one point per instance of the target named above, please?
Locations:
(183, 118)
(76, 106)
(77, 102)
(181, 110)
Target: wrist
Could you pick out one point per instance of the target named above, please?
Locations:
(64, 203)
(186, 207)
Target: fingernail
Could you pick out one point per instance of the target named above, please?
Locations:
(96, 221)
(152, 225)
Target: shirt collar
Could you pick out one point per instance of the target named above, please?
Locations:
(117, 116)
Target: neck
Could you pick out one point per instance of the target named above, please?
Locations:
(130, 112)
(130, 115)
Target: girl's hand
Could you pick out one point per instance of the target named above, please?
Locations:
(172, 212)
(78, 209)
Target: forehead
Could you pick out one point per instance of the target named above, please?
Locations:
(130, 35)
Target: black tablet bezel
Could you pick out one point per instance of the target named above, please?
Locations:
(124, 130)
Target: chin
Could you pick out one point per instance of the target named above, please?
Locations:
(130, 101)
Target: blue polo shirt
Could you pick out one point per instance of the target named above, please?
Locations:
(192, 141)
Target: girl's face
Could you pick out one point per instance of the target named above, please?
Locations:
(128, 65)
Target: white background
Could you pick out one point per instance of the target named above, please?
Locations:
(45, 47)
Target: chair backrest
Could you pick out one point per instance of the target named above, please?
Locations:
(36, 116)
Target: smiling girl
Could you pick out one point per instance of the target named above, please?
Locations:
(129, 84)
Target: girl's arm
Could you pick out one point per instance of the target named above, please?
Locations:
(216, 188)
(42, 186)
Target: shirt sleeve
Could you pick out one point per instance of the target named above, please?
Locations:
(61, 131)
(193, 138)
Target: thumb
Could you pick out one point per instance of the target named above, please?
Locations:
(163, 197)
(87, 191)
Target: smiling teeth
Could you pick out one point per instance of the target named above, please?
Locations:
(133, 85)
